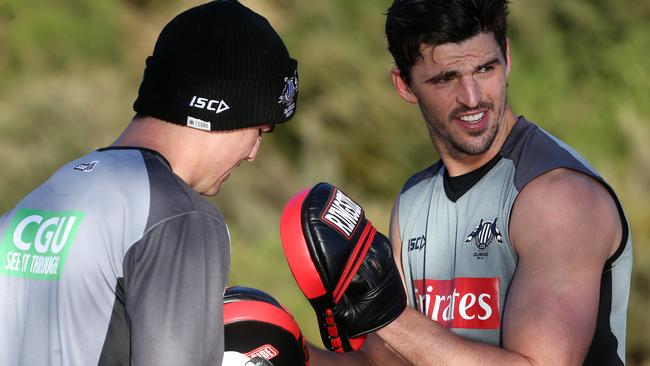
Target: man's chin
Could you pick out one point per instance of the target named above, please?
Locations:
(472, 148)
(212, 191)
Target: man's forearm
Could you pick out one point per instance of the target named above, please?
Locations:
(321, 357)
(375, 352)
(424, 342)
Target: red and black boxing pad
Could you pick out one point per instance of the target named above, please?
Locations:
(343, 266)
(257, 325)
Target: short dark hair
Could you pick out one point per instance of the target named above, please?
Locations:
(409, 23)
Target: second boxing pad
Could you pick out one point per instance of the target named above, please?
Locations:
(257, 325)
(343, 266)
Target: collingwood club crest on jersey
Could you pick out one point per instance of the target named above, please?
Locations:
(86, 167)
(288, 96)
(484, 235)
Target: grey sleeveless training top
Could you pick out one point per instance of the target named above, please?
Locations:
(113, 260)
(457, 256)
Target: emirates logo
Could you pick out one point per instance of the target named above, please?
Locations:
(467, 303)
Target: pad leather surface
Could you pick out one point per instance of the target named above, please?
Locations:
(329, 244)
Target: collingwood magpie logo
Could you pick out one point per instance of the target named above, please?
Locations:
(484, 235)
(288, 96)
(86, 167)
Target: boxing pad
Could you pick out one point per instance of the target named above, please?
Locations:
(342, 264)
(257, 325)
(232, 358)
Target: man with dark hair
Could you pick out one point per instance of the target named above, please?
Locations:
(512, 249)
(116, 259)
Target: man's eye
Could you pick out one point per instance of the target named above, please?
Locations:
(484, 69)
(445, 79)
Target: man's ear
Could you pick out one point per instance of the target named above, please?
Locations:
(402, 87)
(508, 59)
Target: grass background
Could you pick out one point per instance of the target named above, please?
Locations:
(69, 72)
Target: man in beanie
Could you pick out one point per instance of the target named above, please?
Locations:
(116, 259)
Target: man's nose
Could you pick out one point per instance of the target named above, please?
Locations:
(469, 93)
(253, 153)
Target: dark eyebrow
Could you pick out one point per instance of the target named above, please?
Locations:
(447, 75)
(444, 75)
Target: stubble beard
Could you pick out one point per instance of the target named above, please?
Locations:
(458, 146)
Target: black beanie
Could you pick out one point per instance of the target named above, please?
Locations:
(219, 66)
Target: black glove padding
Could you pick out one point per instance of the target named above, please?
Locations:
(375, 296)
(342, 265)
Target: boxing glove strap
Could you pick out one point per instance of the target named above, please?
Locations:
(355, 260)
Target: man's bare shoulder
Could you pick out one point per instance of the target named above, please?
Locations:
(563, 206)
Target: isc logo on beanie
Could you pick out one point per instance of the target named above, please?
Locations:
(215, 105)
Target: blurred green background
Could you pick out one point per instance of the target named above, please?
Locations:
(69, 72)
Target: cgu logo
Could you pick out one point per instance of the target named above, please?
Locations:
(45, 235)
(471, 303)
(36, 243)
